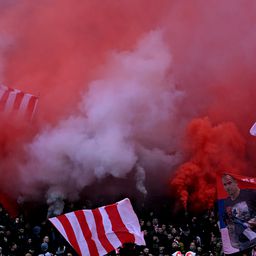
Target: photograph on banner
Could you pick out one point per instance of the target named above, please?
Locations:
(237, 211)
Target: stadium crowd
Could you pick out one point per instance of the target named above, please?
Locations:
(20, 236)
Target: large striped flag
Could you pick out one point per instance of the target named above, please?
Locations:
(19, 103)
(102, 230)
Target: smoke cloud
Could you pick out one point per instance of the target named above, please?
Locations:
(210, 148)
(167, 95)
(118, 117)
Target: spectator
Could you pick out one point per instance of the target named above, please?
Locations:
(1, 251)
(44, 250)
(61, 250)
(23, 238)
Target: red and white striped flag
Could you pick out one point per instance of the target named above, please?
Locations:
(102, 230)
(13, 101)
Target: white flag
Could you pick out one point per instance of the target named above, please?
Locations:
(99, 231)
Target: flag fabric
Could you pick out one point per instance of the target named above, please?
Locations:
(237, 212)
(189, 253)
(19, 103)
(253, 130)
(99, 231)
(178, 253)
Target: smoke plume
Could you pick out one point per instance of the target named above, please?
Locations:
(165, 94)
(118, 117)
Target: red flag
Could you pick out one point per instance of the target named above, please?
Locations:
(102, 230)
(18, 102)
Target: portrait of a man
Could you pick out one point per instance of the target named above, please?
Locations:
(239, 213)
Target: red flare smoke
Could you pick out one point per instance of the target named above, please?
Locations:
(210, 148)
(54, 50)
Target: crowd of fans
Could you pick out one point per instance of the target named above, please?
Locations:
(20, 236)
(197, 234)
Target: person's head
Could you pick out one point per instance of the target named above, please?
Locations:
(155, 239)
(160, 230)
(146, 251)
(173, 231)
(192, 246)
(44, 247)
(155, 221)
(169, 236)
(177, 238)
(36, 230)
(149, 224)
(199, 249)
(194, 219)
(145, 232)
(46, 239)
(175, 245)
(161, 249)
(219, 246)
(230, 186)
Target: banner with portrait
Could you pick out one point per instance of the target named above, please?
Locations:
(237, 211)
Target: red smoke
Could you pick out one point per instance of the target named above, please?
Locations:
(52, 49)
(209, 148)
(55, 49)
(215, 57)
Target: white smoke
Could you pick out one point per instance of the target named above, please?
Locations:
(55, 201)
(140, 180)
(126, 112)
